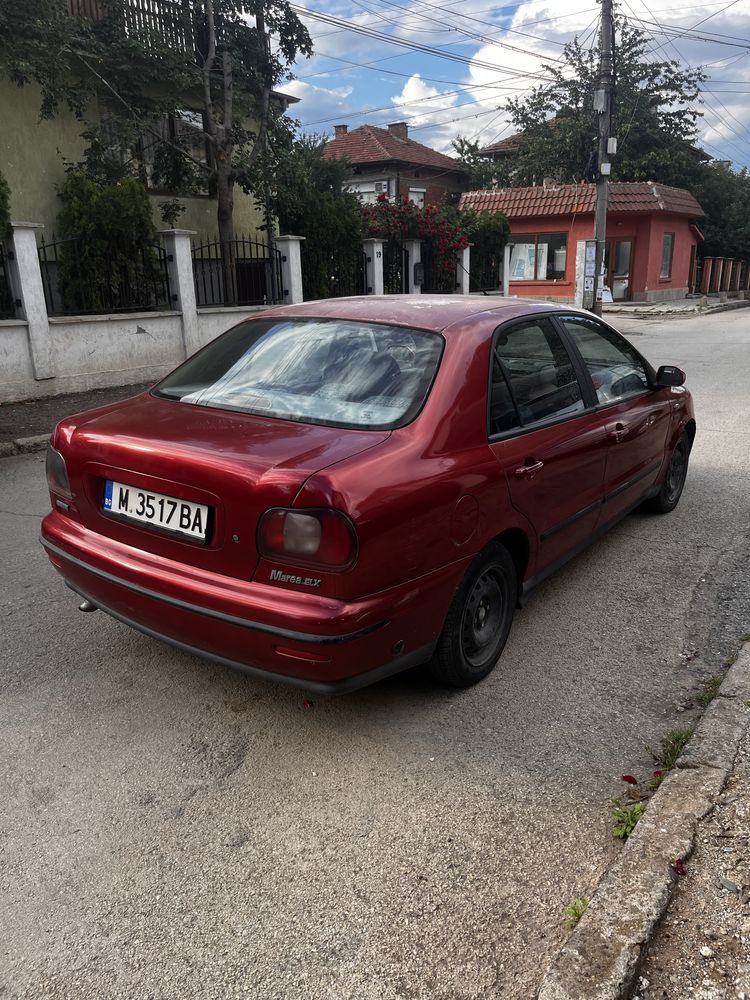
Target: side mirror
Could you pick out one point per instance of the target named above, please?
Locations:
(670, 375)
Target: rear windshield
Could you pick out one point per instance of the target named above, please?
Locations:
(321, 371)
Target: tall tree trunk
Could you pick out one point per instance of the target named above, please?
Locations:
(225, 209)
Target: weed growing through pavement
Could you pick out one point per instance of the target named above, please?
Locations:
(671, 747)
(575, 911)
(708, 690)
(745, 637)
(626, 818)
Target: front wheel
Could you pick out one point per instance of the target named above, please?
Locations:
(478, 622)
(674, 480)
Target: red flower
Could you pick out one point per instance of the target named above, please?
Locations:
(630, 779)
(678, 867)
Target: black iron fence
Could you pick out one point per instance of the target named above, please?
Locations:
(7, 303)
(436, 276)
(240, 272)
(329, 272)
(80, 279)
(486, 272)
(395, 268)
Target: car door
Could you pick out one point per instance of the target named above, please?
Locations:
(545, 433)
(634, 416)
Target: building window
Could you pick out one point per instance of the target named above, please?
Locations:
(667, 250)
(416, 196)
(538, 257)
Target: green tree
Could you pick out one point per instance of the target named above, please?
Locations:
(655, 115)
(151, 61)
(482, 173)
(724, 195)
(309, 199)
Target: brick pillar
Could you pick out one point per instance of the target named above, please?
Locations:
(26, 281)
(716, 274)
(735, 281)
(708, 263)
(291, 268)
(373, 251)
(726, 274)
(182, 284)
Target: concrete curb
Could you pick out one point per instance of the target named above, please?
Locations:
(636, 313)
(602, 955)
(23, 446)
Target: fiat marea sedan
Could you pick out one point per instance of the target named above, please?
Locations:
(333, 492)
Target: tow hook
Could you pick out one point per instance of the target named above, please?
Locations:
(87, 606)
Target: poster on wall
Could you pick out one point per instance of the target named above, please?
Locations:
(522, 261)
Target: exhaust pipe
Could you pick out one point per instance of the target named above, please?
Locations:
(87, 606)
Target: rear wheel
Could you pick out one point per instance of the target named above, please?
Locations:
(674, 480)
(478, 621)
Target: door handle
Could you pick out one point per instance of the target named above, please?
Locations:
(529, 469)
(618, 429)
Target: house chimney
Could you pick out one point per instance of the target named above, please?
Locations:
(339, 131)
(399, 129)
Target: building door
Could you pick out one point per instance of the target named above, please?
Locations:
(617, 265)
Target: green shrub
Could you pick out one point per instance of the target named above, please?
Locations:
(4, 208)
(114, 243)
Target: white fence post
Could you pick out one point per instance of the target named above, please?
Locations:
(26, 280)
(291, 268)
(373, 251)
(463, 262)
(182, 284)
(414, 249)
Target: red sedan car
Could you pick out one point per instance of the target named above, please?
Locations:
(333, 492)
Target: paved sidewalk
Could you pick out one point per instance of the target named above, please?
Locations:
(37, 417)
(701, 951)
(681, 308)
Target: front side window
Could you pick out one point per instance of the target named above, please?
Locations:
(539, 373)
(539, 257)
(615, 367)
(342, 373)
(667, 250)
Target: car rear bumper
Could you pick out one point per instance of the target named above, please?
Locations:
(323, 644)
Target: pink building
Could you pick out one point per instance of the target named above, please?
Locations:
(652, 238)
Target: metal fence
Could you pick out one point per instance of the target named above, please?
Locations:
(242, 272)
(435, 276)
(486, 272)
(329, 272)
(79, 279)
(395, 268)
(7, 302)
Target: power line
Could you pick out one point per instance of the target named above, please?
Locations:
(419, 46)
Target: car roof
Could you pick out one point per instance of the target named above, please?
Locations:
(425, 312)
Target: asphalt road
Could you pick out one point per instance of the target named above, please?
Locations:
(170, 829)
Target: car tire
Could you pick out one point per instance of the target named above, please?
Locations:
(478, 621)
(674, 479)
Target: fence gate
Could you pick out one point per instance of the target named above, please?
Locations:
(486, 271)
(242, 272)
(329, 272)
(395, 268)
(436, 278)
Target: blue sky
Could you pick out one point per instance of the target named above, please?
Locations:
(489, 53)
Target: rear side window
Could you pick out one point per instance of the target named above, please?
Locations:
(615, 366)
(336, 372)
(539, 374)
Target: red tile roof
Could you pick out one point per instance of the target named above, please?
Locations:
(368, 144)
(509, 145)
(574, 199)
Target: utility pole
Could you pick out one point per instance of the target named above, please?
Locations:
(603, 105)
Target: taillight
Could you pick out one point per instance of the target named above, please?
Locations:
(57, 473)
(322, 538)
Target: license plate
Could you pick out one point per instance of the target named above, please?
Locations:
(156, 510)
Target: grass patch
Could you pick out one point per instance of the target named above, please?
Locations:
(745, 637)
(575, 911)
(708, 690)
(626, 818)
(671, 747)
